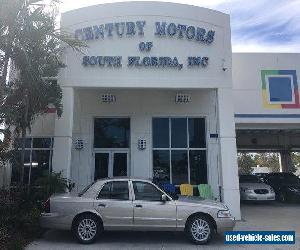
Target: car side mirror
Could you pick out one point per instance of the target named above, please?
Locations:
(164, 198)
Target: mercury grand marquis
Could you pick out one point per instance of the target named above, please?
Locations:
(134, 204)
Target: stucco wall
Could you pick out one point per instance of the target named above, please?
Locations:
(247, 88)
(140, 106)
(212, 76)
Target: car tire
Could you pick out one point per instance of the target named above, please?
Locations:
(86, 228)
(199, 229)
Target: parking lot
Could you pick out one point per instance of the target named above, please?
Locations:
(261, 216)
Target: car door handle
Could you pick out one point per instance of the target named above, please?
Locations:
(138, 205)
(101, 205)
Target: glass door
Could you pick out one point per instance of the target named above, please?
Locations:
(119, 163)
(111, 147)
(111, 163)
(102, 161)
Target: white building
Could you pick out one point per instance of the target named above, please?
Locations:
(158, 93)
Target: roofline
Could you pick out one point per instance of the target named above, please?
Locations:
(124, 178)
(147, 1)
(267, 53)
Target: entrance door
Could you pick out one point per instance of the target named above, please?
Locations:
(111, 147)
(111, 163)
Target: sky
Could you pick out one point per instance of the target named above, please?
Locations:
(257, 25)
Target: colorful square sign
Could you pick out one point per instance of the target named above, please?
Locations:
(280, 89)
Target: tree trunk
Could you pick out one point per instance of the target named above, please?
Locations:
(24, 126)
(4, 74)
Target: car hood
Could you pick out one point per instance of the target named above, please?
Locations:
(194, 201)
(254, 185)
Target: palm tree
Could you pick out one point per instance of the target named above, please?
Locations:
(31, 45)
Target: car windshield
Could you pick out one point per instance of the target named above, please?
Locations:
(249, 179)
(85, 189)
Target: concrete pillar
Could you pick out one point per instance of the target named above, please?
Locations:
(61, 161)
(286, 161)
(228, 153)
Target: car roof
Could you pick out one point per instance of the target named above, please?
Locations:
(130, 178)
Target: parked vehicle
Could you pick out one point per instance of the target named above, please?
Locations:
(261, 176)
(286, 186)
(134, 204)
(251, 188)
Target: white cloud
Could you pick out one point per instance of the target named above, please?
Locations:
(67, 5)
(262, 48)
(257, 25)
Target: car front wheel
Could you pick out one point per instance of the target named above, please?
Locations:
(199, 229)
(86, 228)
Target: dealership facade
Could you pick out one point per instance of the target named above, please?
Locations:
(158, 94)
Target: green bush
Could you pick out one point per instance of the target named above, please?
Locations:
(19, 219)
(20, 210)
(49, 184)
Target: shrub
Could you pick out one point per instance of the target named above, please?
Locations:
(49, 184)
(20, 210)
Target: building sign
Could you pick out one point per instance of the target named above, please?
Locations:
(160, 30)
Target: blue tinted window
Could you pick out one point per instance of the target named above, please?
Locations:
(280, 89)
(198, 169)
(160, 132)
(111, 132)
(179, 132)
(161, 165)
(41, 143)
(197, 133)
(179, 161)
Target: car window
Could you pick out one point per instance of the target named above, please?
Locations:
(146, 191)
(85, 189)
(114, 190)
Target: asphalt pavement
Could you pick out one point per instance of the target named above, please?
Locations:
(262, 216)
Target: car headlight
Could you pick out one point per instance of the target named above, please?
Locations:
(246, 190)
(272, 190)
(249, 191)
(224, 214)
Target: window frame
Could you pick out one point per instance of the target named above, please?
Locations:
(31, 149)
(292, 85)
(188, 148)
(111, 181)
(150, 183)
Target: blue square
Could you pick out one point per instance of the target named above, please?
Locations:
(280, 89)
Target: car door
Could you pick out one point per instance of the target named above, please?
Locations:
(114, 203)
(149, 211)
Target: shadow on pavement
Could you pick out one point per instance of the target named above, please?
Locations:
(133, 237)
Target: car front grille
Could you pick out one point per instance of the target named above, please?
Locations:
(261, 191)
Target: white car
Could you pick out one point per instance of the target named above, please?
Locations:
(251, 188)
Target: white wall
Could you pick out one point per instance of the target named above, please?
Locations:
(43, 126)
(219, 52)
(140, 106)
(247, 87)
